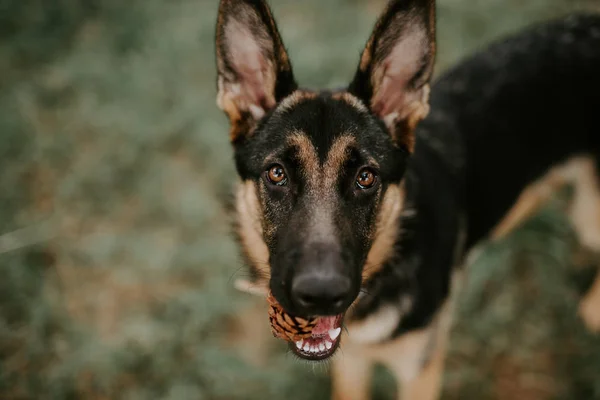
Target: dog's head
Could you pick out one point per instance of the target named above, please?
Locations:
(321, 172)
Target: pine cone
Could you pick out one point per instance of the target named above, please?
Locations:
(285, 326)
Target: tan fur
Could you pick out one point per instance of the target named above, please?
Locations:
(307, 155)
(585, 208)
(321, 182)
(578, 171)
(589, 308)
(366, 57)
(351, 374)
(427, 384)
(337, 156)
(530, 201)
(352, 100)
(226, 101)
(584, 214)
(416, 359)
(294, 99)
(250, 230)
(386, 232)
(321, 218)
(416, 112)
(406, 357)
(321, 179)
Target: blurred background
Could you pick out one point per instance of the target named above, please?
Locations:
(116, 263)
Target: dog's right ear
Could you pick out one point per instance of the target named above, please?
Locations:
(254, 71)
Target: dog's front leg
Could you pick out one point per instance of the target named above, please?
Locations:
(415, 366)
(351, 375)
(426, 385)
(417, 360)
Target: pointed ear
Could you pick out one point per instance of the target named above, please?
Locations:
(396, 67)
(253, 68)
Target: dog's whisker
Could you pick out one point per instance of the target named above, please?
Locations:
(242, 272)
(235, 273)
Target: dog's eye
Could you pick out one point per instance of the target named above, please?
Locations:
(366, 178)
(276, 175)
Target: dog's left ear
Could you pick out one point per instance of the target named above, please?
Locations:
(396, 67)
(254, 71)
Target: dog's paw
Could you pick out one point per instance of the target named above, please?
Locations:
(589, 311)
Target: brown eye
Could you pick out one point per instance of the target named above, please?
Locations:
(276, 175)
(365, 179)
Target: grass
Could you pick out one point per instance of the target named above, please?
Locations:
(111, 142)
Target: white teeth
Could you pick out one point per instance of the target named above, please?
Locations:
(334, 333)
(322, 345)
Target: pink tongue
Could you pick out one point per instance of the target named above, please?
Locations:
(325, 324)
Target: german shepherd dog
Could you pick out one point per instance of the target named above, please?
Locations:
(352, 210)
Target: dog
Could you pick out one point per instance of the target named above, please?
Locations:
(361, 206)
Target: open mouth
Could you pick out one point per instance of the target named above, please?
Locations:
(312, 339)
(323, 342)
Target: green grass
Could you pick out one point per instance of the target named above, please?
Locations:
(110, 133)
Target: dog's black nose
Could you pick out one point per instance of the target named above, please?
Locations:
(318, 292)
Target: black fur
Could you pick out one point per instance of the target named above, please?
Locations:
(309, 228)
(499, 121)
(322, 119)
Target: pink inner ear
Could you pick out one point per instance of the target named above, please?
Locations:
(392, 77)
(253, 89)
(256, 77)
(390, 98)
